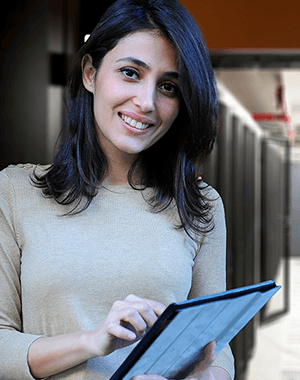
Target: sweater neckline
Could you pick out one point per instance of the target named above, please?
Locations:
(120, 188)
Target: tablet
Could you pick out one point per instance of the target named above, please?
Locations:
(178, 338)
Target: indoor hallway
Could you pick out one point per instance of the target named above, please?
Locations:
(277, 350)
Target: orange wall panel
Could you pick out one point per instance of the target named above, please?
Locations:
(255, 24)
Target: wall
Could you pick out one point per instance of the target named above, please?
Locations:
(24, 75)
(251, 24)
(295, 208)
(31, 89)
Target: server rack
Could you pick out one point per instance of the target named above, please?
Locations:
(243, 168)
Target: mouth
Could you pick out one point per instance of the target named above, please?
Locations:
(134, 123)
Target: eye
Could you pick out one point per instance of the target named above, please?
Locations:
(130, 73)
(169, 88)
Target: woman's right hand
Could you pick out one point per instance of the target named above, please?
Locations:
(126, 322)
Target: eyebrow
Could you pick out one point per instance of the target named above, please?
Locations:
(138, 62)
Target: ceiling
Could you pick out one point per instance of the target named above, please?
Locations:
(257, 90)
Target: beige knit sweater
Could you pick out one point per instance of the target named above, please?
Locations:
(61, 274)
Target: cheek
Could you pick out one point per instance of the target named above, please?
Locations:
(117, 92)
(171, 111)
(109, 93)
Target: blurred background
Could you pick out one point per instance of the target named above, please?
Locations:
(255, 165)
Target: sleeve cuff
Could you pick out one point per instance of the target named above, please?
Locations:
(14, 362)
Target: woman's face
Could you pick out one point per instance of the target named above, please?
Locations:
(136, 94)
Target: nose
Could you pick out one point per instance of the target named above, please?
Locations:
(145, 98)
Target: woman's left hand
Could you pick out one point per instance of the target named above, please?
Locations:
(201, 371)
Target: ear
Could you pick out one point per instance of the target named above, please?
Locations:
(88, 72)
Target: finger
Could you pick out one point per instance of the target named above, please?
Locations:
(147, 377)
(209, 351)
(137, 315)
(205, 363)
(118, 331)
(209, 355)
(157, 307)
(134, 318)
(137, 312)
(146, 312)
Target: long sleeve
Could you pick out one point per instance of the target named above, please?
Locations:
(209, 271)
(58, 274)
(13, 343)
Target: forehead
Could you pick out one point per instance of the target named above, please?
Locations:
(148, 46)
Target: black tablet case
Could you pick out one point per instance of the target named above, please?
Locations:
(177, 339)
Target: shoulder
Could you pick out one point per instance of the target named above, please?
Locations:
(22, 170)
(212, 197)
(18, 193)
(19, 176)
(217, 211)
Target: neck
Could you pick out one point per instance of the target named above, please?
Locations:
(118, 168)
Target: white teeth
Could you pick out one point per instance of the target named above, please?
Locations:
(134, 123)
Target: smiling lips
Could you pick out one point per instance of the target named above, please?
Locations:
(134, 123)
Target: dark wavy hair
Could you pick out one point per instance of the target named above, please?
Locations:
(173, 164)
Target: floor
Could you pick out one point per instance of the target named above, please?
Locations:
(277, 350)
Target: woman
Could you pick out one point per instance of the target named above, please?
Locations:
(125, 227)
